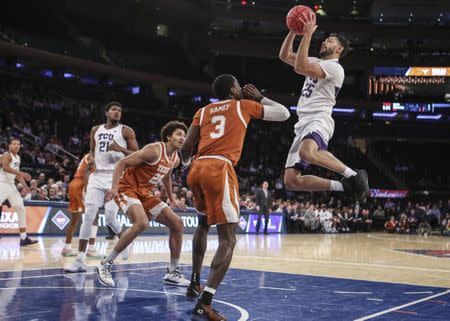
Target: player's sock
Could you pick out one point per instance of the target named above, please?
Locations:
(23, 235)
(195, 278)
(68, 246)
(111, 256)
(207, 295)
(336, 186)
(348, 172)
(173, 264)
(81, 256)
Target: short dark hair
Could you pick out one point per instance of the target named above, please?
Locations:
(11, 139)
(343, 42)
(222, 86)
(170, 127)
(112, 103)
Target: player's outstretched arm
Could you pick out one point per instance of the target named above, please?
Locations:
(287, 54)
(187, 149)
(167, 182)
(272, 110)
(302, 65)
(149, 153)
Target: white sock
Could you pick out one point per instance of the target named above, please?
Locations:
(336, 186)
(95, 229)
(348, 172)
(111, 256)
(210, 290)
(81, 256)
(68, 246)
(91, 247)
(23, 235)
(173, 264)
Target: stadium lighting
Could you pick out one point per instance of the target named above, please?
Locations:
(172, 93)
(384, 115)
(47, 73)
(429, 117)
(344, 110)
(68, 75)
(19, 65)
(213, 100)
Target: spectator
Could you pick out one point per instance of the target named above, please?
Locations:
(445, 225)
(391, 225)
(311, 219)
(263, 201)
(366, 220)
(379, 217)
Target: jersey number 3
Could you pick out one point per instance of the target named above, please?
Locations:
(219, 121)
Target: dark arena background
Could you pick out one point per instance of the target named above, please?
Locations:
(321, 255)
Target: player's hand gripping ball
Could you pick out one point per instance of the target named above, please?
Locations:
(292, 19)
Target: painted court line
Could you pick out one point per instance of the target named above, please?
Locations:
(373, 299)
(272, 288)
(438, 241)
(372, 265)
(349, 292)
(242, 311)
(89, 272)
(368, 317)
(423, 292)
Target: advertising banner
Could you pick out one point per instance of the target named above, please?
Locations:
(388, 193)
(52, 218)
(276, 223)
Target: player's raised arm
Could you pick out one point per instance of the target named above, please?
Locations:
(302, 64)
(149, 153)
(287, 54)
(272, 110)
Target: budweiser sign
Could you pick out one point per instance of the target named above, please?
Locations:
(388, 193)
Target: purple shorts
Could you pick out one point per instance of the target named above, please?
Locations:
(302, 165)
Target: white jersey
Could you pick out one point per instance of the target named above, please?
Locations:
(319, 95)
(104, 159)
(8, 177)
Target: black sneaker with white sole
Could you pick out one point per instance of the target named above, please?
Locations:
(357, 185)
(27, 241)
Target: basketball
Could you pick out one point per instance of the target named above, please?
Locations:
(292, 21)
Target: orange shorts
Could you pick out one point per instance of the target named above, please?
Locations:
(128, 196)
(76, 203)
(215, 188)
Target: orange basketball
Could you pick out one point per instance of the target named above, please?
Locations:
(293, 23)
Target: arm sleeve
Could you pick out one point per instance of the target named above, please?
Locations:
(333, 71)
(274, 111)
(196, 120)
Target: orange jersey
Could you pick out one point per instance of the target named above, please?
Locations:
(82, 166)
(223, 126)
(145, 177)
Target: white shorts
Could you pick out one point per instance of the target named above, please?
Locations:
(99, 183)
(153, 205)
(319, 126)
(9, 192)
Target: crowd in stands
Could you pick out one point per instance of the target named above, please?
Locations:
(50, 152)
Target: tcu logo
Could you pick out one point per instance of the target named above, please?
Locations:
(105, 136)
